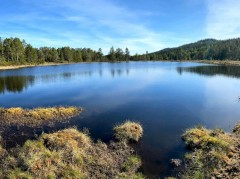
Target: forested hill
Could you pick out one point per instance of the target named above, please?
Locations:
(209, 49)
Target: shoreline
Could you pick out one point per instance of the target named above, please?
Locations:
(219, 62)
(214, 62)
(11, 67)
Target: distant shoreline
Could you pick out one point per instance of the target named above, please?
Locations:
(219, 62)
(215, 62)
(10, 67)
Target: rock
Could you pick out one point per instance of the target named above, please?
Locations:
(176, 162)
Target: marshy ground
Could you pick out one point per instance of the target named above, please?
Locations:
(215, 153)
(38, 116)
(70, 153)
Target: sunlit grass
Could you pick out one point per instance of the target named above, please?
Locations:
(38, 116)
(128, 131)
(70, 153)
(215, 153)
(200, 137)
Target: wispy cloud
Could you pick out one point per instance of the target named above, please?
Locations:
(223, 18)
(84, 23)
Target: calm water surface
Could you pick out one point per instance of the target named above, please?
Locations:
(166, 97)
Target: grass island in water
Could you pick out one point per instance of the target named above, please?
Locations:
(38, 116)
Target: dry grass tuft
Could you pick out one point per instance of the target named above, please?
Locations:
(68, 138)
(38, 116)
(216, 154)
(200, 137)
(70, 153)
(128, 131)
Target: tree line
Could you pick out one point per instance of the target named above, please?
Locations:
(16, 51)
(208, 49)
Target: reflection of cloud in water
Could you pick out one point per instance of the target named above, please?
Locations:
(123, 88)
(221, 107)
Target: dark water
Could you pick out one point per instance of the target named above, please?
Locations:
(166, 97)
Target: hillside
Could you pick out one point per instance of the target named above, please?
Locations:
(208, 49)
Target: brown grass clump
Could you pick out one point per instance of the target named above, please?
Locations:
(128, 131)
(200, 137)
(38, 116)
(70, 153)
(216, 154)
(68, 138)
(57, 155)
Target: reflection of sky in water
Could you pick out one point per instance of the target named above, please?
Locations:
(165, 97)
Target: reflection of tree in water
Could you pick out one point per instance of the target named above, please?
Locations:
(231, 71)
(19, 83)
(15, 83)
(119, 72)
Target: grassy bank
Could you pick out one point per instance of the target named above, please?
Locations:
(219, 62)
(38, 116)
(9, 66)
(215, 153)
(70, 153)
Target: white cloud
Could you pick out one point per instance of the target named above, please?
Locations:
(94, 24)
(223, 18)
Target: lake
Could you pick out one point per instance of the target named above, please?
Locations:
(165, 97)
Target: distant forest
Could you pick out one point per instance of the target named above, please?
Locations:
(209, 49)
(14, 51)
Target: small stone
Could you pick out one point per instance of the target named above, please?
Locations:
(176, 162)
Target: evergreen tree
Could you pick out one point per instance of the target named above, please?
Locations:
(127, 54)
(17, 50)
(112, 54)
(7, 48)
(86, 55)
(78, 55)
(119, 54)
(99, 54)
(31, 54)
(67, 54)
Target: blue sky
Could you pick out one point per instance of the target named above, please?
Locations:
(140, 25)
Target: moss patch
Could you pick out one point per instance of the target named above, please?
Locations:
(38, 116)
(216, 154)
